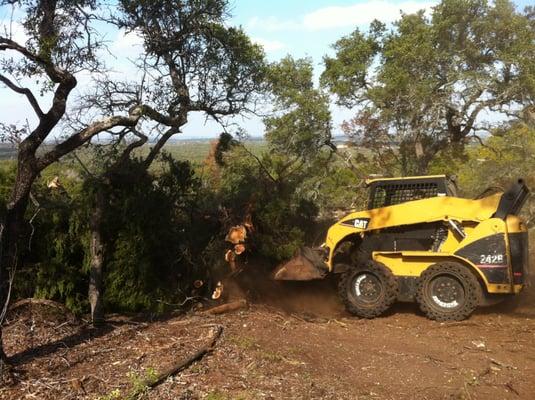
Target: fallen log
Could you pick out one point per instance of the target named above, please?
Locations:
(235, 305)
(176, 368)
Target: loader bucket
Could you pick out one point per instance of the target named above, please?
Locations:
(306, 265)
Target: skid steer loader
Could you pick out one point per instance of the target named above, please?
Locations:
(418, 241)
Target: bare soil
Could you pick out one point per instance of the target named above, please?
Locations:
(298, 343)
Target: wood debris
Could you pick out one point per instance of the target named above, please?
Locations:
(233, 306)
(218, 291)
(179, 366)
(236, 234)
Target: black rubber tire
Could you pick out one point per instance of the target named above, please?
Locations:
(382, 278)
(462, 285)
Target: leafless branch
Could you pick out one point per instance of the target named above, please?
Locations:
(25, 91)
(76, 140)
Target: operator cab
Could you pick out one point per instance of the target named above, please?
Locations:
(385, 192)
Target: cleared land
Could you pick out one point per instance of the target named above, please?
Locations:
(297, 343)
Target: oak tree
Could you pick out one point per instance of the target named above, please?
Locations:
(192, 62)
(59, 44)
(433, 82)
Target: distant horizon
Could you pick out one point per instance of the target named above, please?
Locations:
(178, 139)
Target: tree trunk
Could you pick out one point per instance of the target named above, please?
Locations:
(9, 239)
(421, 166)
(97, 258)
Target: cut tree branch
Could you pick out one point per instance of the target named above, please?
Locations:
(224, 308)
(181, 365)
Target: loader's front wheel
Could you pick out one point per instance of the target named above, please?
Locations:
(368, 290)
(448, 292)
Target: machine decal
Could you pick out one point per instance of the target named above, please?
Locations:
(490, 257)
(359, 223)
(491, 266)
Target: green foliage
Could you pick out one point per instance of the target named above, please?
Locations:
(152, 233)
(148, 224)
(140, 385)
(280, 184)
(215, 66)
(7, 177)
(430, 83)
(224, 144)
(302, 122)
(505, 156)
(54, 252)
(348, 73)
(140, 382)
(247, 181)
(113, 395)
(70, 42)
(337, 188)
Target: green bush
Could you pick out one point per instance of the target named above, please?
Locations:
(154, 233)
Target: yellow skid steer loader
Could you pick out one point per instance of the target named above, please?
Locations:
(418, 241)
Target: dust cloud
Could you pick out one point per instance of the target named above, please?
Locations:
(318, 297)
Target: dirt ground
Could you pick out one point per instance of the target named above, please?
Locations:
(296, 345)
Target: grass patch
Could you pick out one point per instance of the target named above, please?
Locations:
(217, 395)
(271, 356)
(244, 342)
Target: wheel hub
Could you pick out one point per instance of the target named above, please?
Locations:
(447, 292)
(367, 287)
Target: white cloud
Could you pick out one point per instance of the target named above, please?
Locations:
(269, 45)
(360, 14)
(13, 30)
(342, 16)
(126, 50)
(272, 24)
(127, 44)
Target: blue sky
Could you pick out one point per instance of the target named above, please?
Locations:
(296, 27)
(309, 28)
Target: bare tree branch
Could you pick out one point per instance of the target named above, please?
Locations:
(26, 92)
(76, 140)
(155, 150)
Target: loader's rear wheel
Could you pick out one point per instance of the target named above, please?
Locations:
(448, 292)
(368, 290)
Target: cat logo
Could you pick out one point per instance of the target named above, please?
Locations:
(361, 223)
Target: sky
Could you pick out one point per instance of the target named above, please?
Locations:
(302, 28)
